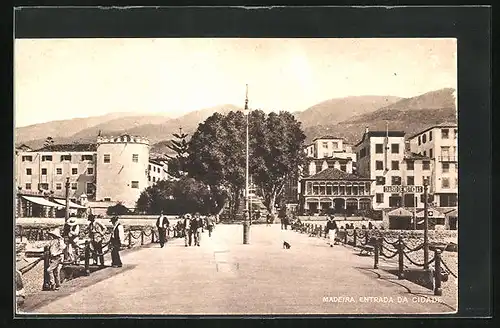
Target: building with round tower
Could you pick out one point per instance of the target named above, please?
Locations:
(121, 168)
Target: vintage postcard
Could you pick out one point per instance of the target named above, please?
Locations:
(236, 176)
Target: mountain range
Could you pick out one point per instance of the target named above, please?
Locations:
(345, 117)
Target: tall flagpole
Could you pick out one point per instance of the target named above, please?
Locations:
(246, 225)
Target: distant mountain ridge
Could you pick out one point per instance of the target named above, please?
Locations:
(346, 117)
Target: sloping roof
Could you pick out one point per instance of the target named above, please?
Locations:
(431, 213)
(156, 161)
(335, 174)
(328, 137)
(440, 125)
(400, 212)
(371, 134)
(452, 213)
(69, 147)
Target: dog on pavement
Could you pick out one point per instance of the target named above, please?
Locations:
(286, 245)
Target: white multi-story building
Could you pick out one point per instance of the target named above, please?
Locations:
(112, 170)
(329, 152)
(397, 173)
(440, 144)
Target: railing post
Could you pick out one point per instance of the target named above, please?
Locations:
(437, 273)
(130, 239)
(366, 237)
(21, 231)
(400, 257)
(320, 231)
(40, 234)
(152, 236)
(355, 237)
(46, 258)
(377, 249)
(87, 258)
(142, 237)
(345, 235)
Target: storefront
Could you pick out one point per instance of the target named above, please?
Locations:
(400, 219)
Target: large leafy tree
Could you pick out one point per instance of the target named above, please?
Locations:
(185, 195)
(217, 154)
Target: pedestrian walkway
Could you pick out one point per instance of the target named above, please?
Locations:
(223, 276)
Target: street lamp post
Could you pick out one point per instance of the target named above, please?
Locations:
(426, 227)
(66, 216)
(246, 225)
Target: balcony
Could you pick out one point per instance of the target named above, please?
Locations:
(452, 159)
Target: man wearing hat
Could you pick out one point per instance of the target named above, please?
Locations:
(188, 233)
(56, 249)
(96, 231)
(162, 224)
(116, 240)
(331, 230)
(73, 238)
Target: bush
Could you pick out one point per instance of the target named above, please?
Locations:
(118, 209)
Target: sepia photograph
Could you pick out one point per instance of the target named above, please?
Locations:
(236, 176)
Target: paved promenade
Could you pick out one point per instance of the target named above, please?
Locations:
(225, 277)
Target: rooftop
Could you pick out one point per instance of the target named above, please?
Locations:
(328, 137)
(410, 155)
(371, 134)
(335, 174)
(440, 125)
(157, 161)
(83, 147)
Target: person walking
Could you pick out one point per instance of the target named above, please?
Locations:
(95, 231)
(197, 228)
(115, 242)
(56, 249)
(162, 224)
(331, 230)
(188, 234)
(210, 224)
(269, 220)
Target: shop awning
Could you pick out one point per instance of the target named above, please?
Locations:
(452, 214)
(71, 204)
(431, 213)
(402, 212)
(41, 201)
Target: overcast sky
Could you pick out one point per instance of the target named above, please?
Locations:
(68, 78)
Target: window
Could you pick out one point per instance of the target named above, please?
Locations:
(335, 145)
(379, 165)
(325, 144)
(58, 186)
(90, 170)
(410, 180)
(395, 148)
(395, 200)
(27, 158)
(380, 180)
(107, 199)
(325, 154)
(410, 165)
(58, 171)
(455, 134)
(149, 167)
(426, 165)
(395, 165)
(74, 185)
(379, 148)
(107, 158)
(343, 167)
(445, 183)
(135, 184)
(44, 171)
(154, 179)
(430, 135)
(445, 167)
(419, 141)
(74, 171)
(149, 178)
(43, 186)
(409, 200)
(424, 138)
(445, 133)
(380, 198)
(47, 158)
(430, 153)
(28, 171)
(445, 152)
(448, 200)
(65, 158)
(90, 190)
(135, 158)
(87, 158)
(430, 198)
(425, 153)
(28, 186)
(396, 181)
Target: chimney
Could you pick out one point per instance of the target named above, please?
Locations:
(366, 130)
